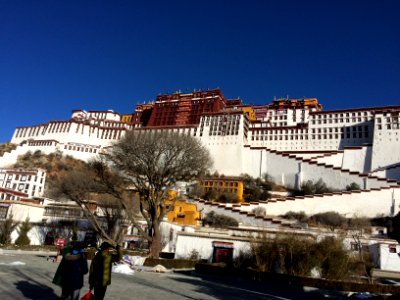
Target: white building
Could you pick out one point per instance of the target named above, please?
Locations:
(27, 182)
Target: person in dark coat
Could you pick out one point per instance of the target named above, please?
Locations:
(100, 269)
(71, 271)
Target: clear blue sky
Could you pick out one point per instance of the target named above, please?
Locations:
(56, 56)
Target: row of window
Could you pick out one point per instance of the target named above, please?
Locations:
(346, 135)
(22, 187)
(225, 190)
(18, 177)
(388, 120)
(365, 247)
(8, 196)
(312, 130)
(206, 120)
(340, 115)
(340, 120)
(220, 183)
(82, 149)
(59, 127)
(62, 212)
(42, 143)
(389, 126)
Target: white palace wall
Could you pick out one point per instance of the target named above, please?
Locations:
(357, 159)
(335, 159)
(225, 143)
(70, 131)
(290, 171)
(227, 154)
(386, 146)
(366, 203)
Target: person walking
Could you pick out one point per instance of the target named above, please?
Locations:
(100, 269)
(70, 272)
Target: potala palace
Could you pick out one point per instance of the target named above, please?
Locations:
(293, 140)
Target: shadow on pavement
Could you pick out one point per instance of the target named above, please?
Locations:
(239, 289)
(35, 291)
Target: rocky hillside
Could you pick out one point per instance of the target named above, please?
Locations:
(6, 147)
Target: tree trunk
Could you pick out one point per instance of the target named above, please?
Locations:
(155, 246)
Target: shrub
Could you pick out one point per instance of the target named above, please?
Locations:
(215, 220)
(243, 260)
(333, 259)
(194, 255)
(266, 255)
(352, 187)
(330, 219)
(297, 256)
(299, 216)
(228, 198)
(311, 188)
(259, 211)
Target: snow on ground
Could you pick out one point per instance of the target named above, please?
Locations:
(14, 263)
(123, 269)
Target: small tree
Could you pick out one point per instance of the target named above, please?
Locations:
(256, 189)
(6, 228)
(24, 228)
(358, 226)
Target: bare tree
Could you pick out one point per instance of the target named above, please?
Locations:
(152, 163)
(99, 192)
(358, 226)
(147, 163)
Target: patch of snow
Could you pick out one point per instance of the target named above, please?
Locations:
(123, 269)
(159, 269)
(14, 263)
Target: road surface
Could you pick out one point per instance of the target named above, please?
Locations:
(28, 276)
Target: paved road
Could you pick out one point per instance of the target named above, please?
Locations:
(28, 276)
